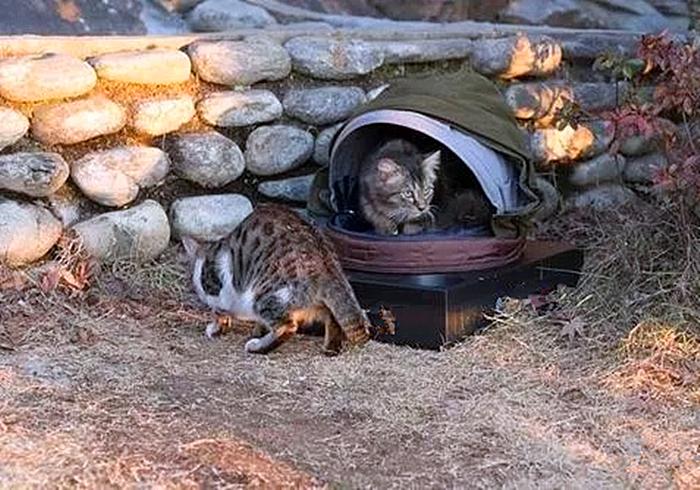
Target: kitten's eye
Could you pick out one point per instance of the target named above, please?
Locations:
(407, 194)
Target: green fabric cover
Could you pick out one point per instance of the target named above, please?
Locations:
(474, 104)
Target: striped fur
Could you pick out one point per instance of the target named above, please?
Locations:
(281, 272)
(396, 187)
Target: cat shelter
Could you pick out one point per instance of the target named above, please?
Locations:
(444, 279)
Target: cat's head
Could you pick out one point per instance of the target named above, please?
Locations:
(205, 267)
(403, 180)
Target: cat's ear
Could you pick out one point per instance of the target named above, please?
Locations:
(430, 164)
(387, 169)
(191, 246)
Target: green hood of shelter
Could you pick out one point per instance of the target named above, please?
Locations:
(465, 100)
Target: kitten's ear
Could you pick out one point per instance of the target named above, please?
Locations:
(191, 245)
(387, 168)
(431, 163)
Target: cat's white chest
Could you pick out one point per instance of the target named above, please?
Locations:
(237, 303)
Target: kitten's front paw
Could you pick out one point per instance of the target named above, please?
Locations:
(212, 330)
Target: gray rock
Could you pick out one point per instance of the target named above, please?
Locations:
(638, 145)
(603, 197)
(272, 150)
(27, 232)
(228, 15)
(237, 109)
(568, 144)
(34, 78)
(148, 67)
(33, 174)
(425, 51)
(332, 59)
(13, 126)
(161, 116)
(634, 15)
(73, 122)
(68, 204)
(178, 5)
(586, 46)
(324, 105)
(74, 17)
(208, 218)
(642, 170)
(209, 159)
(114, 177)
(516, 56)
(539, 100)
(292, 189)
(139, 233)
(162, 22)
(239, 62)
(603, 168)
(322, 149)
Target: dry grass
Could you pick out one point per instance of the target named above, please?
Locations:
(118, 387)
(641, 265)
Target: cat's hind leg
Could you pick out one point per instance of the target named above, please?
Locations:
(279, 334)
(333, 340)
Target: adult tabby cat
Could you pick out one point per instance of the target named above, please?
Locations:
(280, 272)
(405, 191)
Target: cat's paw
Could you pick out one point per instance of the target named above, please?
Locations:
(212, 330)
(252, 346)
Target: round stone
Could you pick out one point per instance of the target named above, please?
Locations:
(272, 150)
(567, 144)
(139, 233)
(237, 109)
(73, 122)
(161, 116)
(294, 189)
(644, 169)
(208, 218)
(322, 149)
(27, 232)
(239, 62)
(44, 77)
(604, 197)
(114, 177)
(516, 56)
(603, 168)
(208, 159)
(149, 67)
(13, 126)
(324, 105)
(34, 174)
(228, 15)
(333, 59)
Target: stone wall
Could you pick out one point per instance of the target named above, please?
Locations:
(132, 142)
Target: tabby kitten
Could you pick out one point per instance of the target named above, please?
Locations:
(396, 187)
(402, 191)
(280, 272)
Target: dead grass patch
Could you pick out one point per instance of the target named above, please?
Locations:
(641, 265)
(660, 363)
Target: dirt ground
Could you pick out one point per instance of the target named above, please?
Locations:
(119, 388)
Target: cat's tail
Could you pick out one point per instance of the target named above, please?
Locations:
(348, 314)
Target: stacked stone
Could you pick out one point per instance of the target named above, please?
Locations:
(286, 129)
